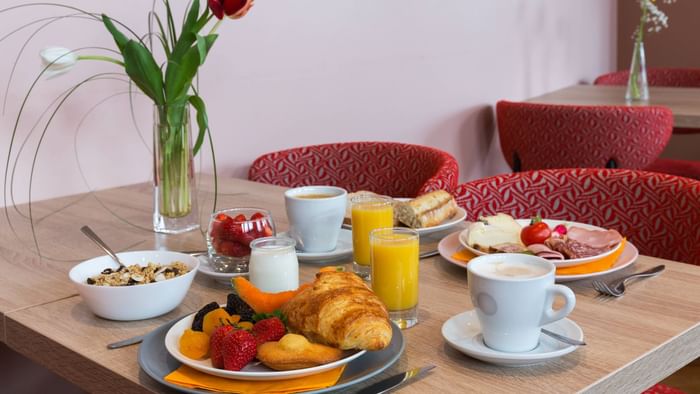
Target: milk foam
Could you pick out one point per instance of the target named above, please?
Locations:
(511, 270)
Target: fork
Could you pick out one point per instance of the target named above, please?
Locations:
(618, 289)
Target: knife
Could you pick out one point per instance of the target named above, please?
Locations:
(392, 382)
(126, 342)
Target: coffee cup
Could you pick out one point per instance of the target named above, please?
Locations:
(513, 295)
(315, 215)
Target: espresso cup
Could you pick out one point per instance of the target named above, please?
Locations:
(315, 215)
(513, 295)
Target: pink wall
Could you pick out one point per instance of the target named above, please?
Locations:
(303, 72)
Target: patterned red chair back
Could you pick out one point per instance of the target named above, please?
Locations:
(540, 136)
(394, 169)
(659, 213)
(678, 77)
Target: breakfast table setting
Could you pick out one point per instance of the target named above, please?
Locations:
(631, 342)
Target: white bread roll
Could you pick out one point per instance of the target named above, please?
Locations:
(427, 210)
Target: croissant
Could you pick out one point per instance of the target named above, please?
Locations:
(339, 310)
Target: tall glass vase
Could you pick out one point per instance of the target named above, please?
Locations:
(637, 87)
(174, 195)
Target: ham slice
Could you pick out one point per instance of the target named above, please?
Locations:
(541, 250)
(594, 239)
(509, 247)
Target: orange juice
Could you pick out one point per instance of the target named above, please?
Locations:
(395, 269)
(368, 215)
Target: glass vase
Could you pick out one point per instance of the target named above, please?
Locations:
(637, 87)
(174, 195)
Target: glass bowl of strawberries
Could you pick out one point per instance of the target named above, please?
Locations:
(229, 236)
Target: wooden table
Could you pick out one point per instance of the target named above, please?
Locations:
(633, 341)
(683, 102)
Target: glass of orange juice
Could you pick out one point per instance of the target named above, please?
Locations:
(394, 255)
(368, 213)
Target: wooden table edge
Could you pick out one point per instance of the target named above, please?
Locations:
(667, 358)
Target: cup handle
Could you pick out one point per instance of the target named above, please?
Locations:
(549, 314)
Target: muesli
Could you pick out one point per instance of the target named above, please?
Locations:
(138, 275)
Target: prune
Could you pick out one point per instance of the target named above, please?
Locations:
(198, 321)
(236, 306)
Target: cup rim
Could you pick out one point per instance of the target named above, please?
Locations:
(551, 268)
(377, 234)
(294, 192)
(266, 212)
(291, 243)
(375, 200)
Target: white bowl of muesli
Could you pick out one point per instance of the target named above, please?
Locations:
(154, 283)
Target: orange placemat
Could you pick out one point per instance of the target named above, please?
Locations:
(191, 378)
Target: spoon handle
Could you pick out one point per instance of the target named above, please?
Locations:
(91, 234)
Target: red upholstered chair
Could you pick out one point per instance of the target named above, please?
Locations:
(677, 77)
(390, 168)
(540, 136)
(659, 213)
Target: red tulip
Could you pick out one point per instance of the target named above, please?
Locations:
(234, 9)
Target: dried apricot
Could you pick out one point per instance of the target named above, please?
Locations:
(194, 344)
(217, 318)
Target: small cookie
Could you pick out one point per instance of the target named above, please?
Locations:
(296, 352)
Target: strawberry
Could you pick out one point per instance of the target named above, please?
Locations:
(240, 218)
(233, 249)
(267, 330)
(256, 216)
(216, 345)
(239, 348)
(219, 224)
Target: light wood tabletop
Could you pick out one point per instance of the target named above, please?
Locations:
(683, 102)
(633, 341)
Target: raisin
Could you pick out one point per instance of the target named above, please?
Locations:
(236, 306)
(106, 271)
(90, 281)
(198, 320)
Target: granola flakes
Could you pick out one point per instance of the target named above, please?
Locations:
(138, 275)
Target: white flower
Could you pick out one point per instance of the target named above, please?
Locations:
(58, 60)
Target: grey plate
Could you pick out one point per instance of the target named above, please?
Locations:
(157, 363)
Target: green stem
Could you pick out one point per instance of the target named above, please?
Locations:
(102, 58)
(174, 161)
(216, 26)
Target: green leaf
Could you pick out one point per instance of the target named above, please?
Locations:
(182, 45)
(179, 75)
(191, 18)
(202, 48)
(202, 121)
(118, 36)
(144, 71)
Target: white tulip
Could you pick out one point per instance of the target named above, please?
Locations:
(58, 60)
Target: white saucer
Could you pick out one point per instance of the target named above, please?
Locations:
(342, 249)
(221, 277)
(450, 244)
(463, 332)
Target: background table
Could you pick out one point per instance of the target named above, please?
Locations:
(683, 102)
(634, 341)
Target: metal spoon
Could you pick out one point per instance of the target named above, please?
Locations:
(564, 339)
(91, 234)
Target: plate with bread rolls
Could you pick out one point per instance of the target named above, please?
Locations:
(427, 213)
